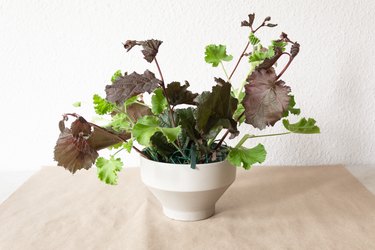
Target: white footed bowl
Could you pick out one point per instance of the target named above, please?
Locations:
(187, 194)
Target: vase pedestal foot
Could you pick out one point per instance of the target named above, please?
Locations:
(189, 215)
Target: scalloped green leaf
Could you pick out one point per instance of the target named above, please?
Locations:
(107, 169)
(215, 54)
(303, 126)
(246, 157)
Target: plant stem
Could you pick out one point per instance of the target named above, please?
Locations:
(285, 68)
(179, 149)
(248, 136)
(226, 133)
(118, 151)
(225, 72)
(162, 85)
(239, 60)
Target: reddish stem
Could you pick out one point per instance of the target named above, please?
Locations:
(162, 85)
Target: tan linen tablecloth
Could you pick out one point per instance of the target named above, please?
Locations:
(265, 208)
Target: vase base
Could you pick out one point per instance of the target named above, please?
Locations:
(189, 215)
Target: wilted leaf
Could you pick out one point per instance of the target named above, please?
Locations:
(150, 49)
(250, 22)
(266, 99)
(108, 169)
(302, 127)
(215, 54)
(158, 101)
(178, 94)
(294, 50)
(216, 109)
(72, 150)
(246, 157)
(131, 85)
(76, 148)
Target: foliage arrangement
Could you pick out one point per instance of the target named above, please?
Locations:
(180, 126)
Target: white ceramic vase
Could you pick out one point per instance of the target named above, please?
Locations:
(187, 194)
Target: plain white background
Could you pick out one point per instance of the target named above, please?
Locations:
(54, 53)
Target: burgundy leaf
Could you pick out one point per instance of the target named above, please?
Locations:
(136, 111)
(102, 138)
(76, 148)
(250, 22)
(216, 108)
(72, 151)
(266, 99)
(129, 44)
(294, 50)
(178, 94)
(131, 85)
(150, 49)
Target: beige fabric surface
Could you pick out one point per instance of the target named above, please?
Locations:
(265, 208)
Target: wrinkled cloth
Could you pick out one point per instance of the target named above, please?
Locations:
(321, 207)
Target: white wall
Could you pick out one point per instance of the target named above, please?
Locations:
(54, 53)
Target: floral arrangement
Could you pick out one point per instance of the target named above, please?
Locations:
(182, 127)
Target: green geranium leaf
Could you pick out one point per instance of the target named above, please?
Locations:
(280, 44)
(253, 39)
(130, 101)
(170, 133)
(101, 105)
(246, 157)
(128, 145)
(158, 101)
(147, 126)
(116, 76)
(120, 123)
(215, 54)
(77, 104)
(291, 108)
(107, 169)
(302, 127)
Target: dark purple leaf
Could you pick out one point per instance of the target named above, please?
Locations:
(294, 50)
(216, 108)
(250, 22)
(178, 94)
(266, 99)
(136, 111)
(131, 85)
(150, 49)
(76, 148)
